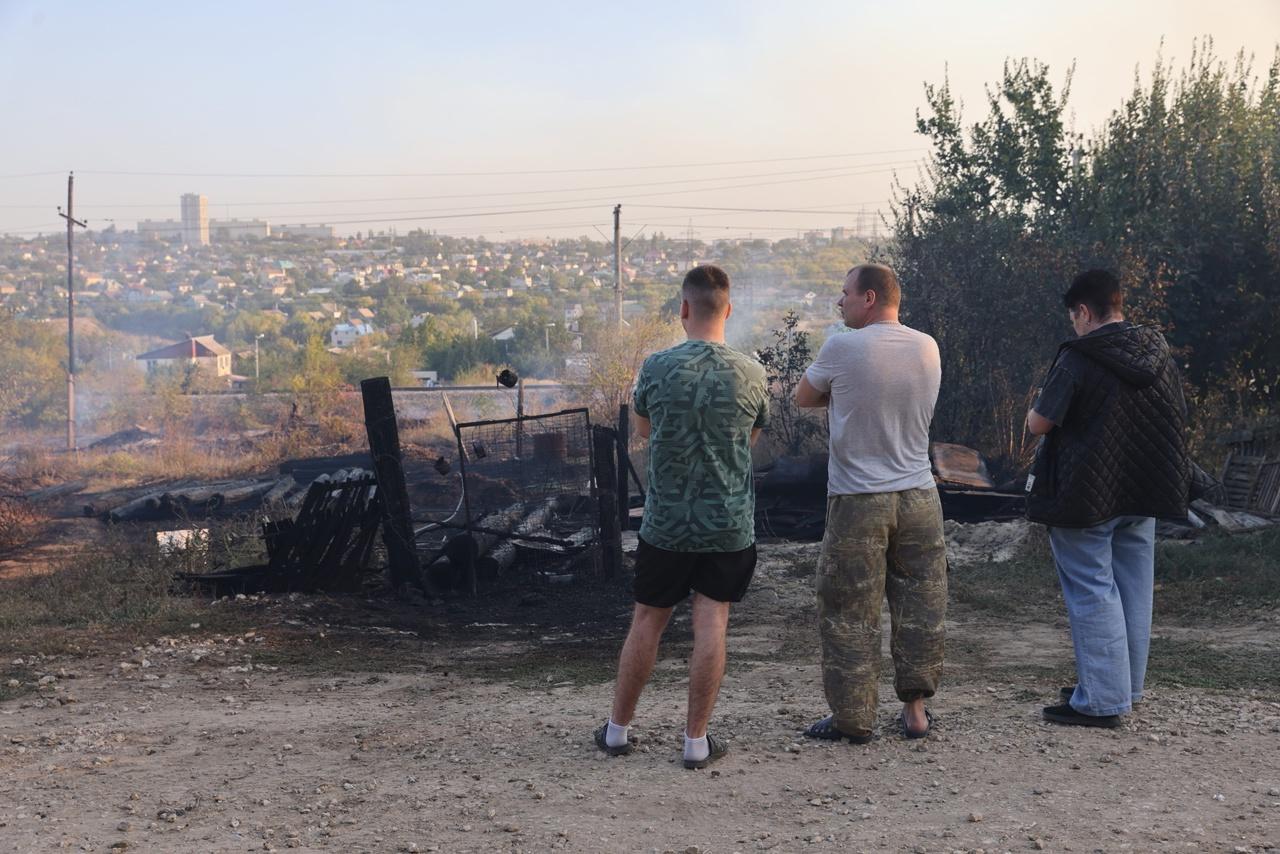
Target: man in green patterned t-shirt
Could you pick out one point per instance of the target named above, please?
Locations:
(701, 405)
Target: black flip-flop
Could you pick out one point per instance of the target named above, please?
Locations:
(621, 750)
(717, 747)
(826, 730)
(910, 733)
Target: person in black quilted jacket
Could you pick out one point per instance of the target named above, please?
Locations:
(1112, 460)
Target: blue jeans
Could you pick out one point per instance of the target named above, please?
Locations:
(1107, 574)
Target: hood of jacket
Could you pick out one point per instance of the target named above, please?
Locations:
(1136, 354)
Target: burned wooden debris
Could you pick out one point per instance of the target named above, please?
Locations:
(187, 501)
(1251, 474)
(327, 546)
(532, 504)
(384, 446)
(791, 494)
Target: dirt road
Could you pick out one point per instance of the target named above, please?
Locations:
(318, 725)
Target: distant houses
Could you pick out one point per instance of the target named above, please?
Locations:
(345, 334)
(199, 350)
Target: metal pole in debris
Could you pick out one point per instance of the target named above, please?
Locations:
(605, 457)
(617, 263)
(72, 222)
(384, 446)
(624, 456)
(520, 419)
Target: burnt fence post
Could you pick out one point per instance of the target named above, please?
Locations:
(384, 447)
(605, 442)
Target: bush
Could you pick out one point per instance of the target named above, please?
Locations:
(19, 523)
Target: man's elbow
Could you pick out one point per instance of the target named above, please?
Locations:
(808, 397)
(1038, 424)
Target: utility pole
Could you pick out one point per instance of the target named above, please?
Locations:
(617, 263)
(72, 222)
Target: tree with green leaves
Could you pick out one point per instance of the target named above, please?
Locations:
(1179, 193)
(791, 429)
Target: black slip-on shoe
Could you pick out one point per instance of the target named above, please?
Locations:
(621, 750)
(826, 730)
(717, 747)
(1064, 714)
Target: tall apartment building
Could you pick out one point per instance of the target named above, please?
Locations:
(195, 219)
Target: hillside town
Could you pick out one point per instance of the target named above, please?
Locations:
(248, 285)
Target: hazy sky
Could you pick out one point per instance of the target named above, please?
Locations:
(333, 112)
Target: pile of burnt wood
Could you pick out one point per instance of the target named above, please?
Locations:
(543, 504)
(327, 546)
(791, 493)
(191, 500)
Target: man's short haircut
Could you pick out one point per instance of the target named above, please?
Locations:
(1098, 289)
(879, 278)
(706, 289)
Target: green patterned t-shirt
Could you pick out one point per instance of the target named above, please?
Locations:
(702, 400)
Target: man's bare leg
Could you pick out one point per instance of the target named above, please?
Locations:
(913, 715)
(706, 664)
(635, 664)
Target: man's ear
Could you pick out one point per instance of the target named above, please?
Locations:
(728, 310)
(684, 309)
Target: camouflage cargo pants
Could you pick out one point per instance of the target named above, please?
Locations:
(875, 544)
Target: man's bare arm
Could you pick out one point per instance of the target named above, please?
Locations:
(755, 434)
(1038, 424)
(808, 397)
(642, 426)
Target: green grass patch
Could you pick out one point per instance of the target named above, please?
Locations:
(1218, 573)
(1219, 576)
(1197, 665)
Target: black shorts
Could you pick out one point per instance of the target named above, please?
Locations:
(664, 578)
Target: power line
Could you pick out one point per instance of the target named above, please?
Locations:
(31, 174)
(763, 210)
(506, 172)
(482, 211)
(502, 193)
(430, 213)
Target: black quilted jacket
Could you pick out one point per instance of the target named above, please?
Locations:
(1120, 450)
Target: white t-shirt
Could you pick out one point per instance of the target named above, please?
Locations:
(883, 381)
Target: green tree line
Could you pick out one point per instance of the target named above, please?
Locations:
(1179, 192)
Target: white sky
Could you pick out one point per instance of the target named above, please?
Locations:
(400, 89)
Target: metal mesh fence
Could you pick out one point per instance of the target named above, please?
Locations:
(531, 479)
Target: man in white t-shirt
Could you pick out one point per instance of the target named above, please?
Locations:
(884, 520)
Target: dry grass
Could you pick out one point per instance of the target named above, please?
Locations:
(34, 463)
(19, 523)
(123, 587)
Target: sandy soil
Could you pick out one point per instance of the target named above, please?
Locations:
(318, 725)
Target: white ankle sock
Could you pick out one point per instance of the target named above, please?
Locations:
(616, 736)
(696, 749)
